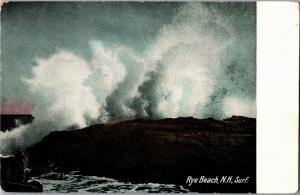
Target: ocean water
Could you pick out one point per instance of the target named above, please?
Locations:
(74, 182)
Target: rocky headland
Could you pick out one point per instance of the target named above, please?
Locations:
(157, 151)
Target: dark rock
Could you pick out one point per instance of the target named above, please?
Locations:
(13, 169)
(10, 121)
(157, 151)
(14, 177)
(22, 187)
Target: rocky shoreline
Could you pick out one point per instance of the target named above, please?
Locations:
(160, 151)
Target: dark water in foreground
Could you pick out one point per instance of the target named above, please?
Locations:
(74, 182)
